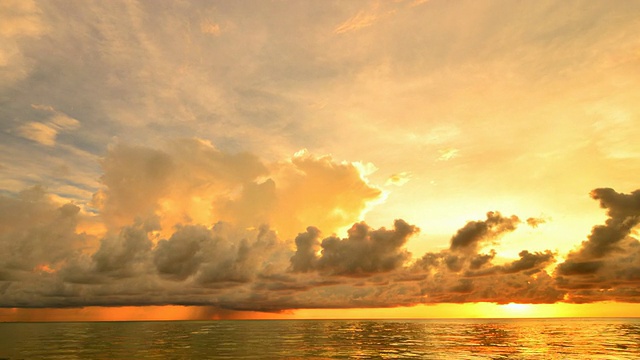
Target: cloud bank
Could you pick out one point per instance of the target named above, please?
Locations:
(192, 225)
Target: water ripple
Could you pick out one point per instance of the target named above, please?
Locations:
(326, 339)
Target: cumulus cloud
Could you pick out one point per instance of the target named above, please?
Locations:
(180, 256)
(135, 178)
(122, 255)
(463, 273)
(231, 267)
(307, 246)
(192, 182)
(364, 252)
(35, 231)
(179, 221)
(317, 190)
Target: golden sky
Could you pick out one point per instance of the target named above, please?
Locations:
(305, 159)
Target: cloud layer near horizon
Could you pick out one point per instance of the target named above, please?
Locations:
(192, 225)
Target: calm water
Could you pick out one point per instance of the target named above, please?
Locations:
(326, 339)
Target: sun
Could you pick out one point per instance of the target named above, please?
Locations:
(515, 310)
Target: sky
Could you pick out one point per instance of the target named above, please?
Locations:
(309, 159)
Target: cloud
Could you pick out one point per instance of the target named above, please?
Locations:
(624, 214)
(535, 222)
(529, 261)
(191, 182)
(613, 131)
(157, 208)
(135, 179)
(35, 231)
(238, 268)
(605, 266)
(463, 274)
(180, 256)
(418, 2)
(18, 20)
(46, 132)
(447, 154)
(120, 256)
(39, 132)
(361, 20)
(307, 246)
(317, 190)
(476, 233)
(615, 277)
(363, 253)
(252, 269)
(399, 179)
(223, 265)
(178, 229)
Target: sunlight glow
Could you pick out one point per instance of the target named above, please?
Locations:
(517, 309)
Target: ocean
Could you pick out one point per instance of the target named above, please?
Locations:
(584, 338)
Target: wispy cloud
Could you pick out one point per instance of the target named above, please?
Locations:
(448, 154)
(362, 19)
(46, 132)
(359, 21)
(399, 179)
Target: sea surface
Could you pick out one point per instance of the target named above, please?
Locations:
(326, 339)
